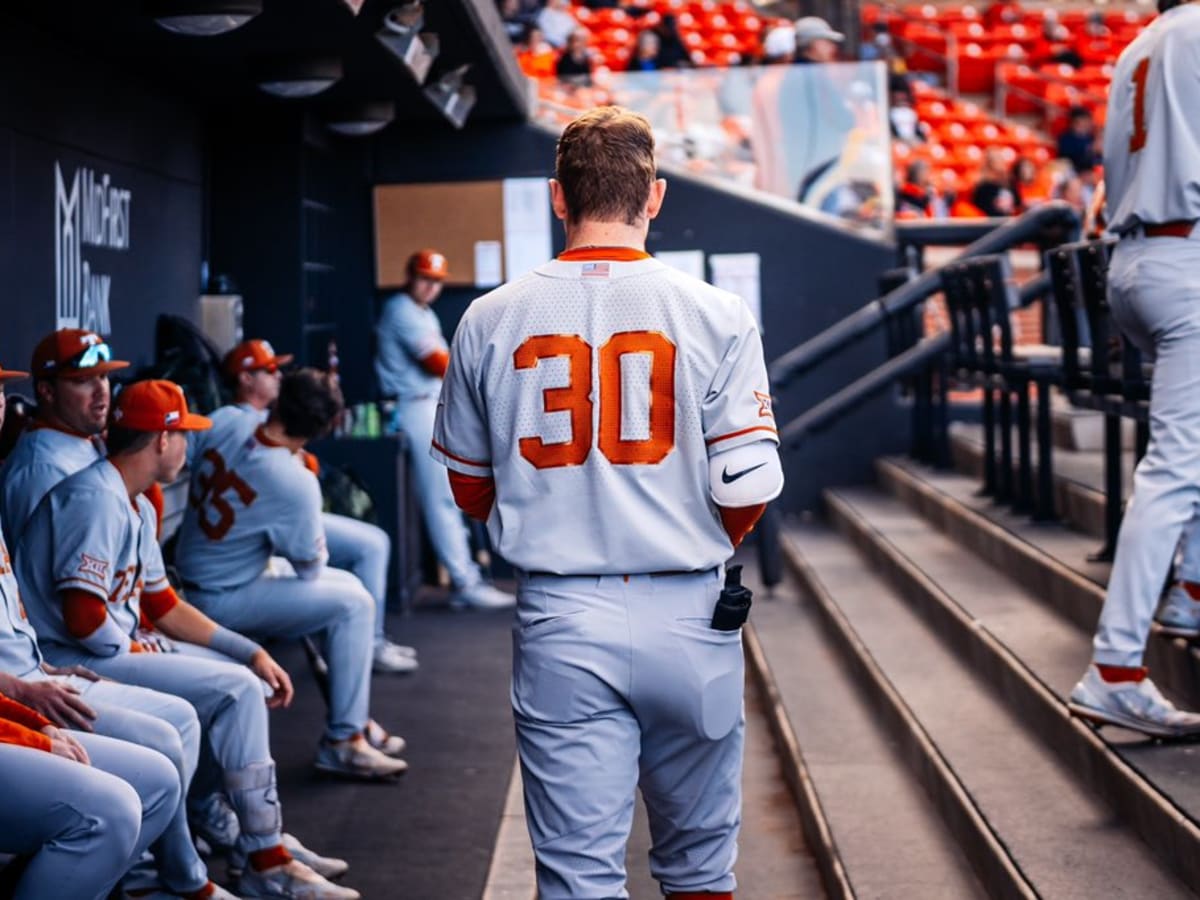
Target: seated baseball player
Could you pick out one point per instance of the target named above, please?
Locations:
(252, 498)
(82, 807)
(252, 369)
(89, 567)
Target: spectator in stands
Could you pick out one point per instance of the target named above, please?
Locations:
(992, 195)
(1078, 142)
(575, 65)
(1022, 179)
(779, 46)
(902, 115)
(645, 53)
(672, 54)
(915, 196)
(1073, 191)
(535, 55)
(516, 19)
(880, 44)
(557, 22)
(816, 41)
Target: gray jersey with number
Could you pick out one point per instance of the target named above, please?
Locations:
(594, 393)
(249, 500)
(88, 535)
(1152, 131)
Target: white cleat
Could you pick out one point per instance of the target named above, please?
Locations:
(355, 758)
(161, 893)
(325, 866)
(377, 736)
(214, 823)
(1136, 705)
(392, 658)
(1179, 615)
(482, 596)
(294, 881)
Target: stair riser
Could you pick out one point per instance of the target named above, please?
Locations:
(1074, 597)
(986, 854)
(813, 821)
(1157, 822)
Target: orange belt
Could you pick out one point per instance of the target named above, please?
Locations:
(1180, 228)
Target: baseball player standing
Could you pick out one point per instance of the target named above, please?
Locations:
(1152, 175)
(610, 419)
(411, 360)
(253, 370)
(89, 566)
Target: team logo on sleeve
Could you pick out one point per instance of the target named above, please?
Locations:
(764, 405)
(90, 567)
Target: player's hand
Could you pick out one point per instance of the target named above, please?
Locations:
(276, 678)
(143, 647)
(60, 703)
(64, 745)
(66, 671)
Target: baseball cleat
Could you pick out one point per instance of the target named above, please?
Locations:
(482, 596)
(356, 758)
(214, 823)
(293, 880)
(1136, 705)
(160, 893)
(377, 736)
(391, 658)
(1179, 615)
(325, 866)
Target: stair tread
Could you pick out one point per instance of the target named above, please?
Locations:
(1065, 840)
(899, 849)
(1054, 649)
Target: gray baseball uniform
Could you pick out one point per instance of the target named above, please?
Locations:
(42, 457)
(87, 535)
(1152, 176)
(251, 500)
(594, 393)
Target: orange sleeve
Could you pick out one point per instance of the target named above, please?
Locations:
(739, 521)
(310, 462)
(83, 612)
(156, 604)
(20, 736)
(154, 494)
(20, 714)
(436, 363)
(473, 494)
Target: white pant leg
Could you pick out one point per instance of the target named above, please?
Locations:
(443, 519)
(365, 550)
(333, 606)
(1154, 285)
(228, 700)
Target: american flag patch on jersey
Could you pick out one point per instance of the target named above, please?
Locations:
(595, 270)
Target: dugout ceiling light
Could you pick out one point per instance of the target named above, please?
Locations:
(296, 77)
(453, 98)
(203, 18)
(361, 119)
(401, 35)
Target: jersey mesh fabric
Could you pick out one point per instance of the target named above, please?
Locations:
(19, 653)
(41, 459)
(600, 516)
(1161, 181)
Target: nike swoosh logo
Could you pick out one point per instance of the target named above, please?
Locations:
(726, 478)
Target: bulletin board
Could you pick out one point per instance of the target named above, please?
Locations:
(449, 217)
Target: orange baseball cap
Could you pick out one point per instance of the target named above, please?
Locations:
(11, 375)
(249, 356)
(156, 406)
(429, 264)
(73, 353)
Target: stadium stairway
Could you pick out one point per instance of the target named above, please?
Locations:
(917, 661)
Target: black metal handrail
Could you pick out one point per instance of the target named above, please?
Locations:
(1037, 224)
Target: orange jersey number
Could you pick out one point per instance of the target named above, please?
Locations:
(575, 398)
(209, 496)
(1138, 139)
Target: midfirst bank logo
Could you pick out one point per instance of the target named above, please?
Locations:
(88, 212)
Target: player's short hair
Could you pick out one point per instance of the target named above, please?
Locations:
(1164, 5)
(309, 404)
(120, 441)
(605, 164)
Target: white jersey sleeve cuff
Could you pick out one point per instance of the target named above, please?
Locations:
(746, 475)
(458, 463)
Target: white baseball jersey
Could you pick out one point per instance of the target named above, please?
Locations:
(88, 535)
(42, 458)
(594, 393)
(249, 500)
(242, 416)
(1152, 132)
(19, 653)
(407, 333)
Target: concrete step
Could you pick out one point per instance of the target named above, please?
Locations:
(873, 831)
(1029, 657)
(1048, 560)
(1075, 428)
